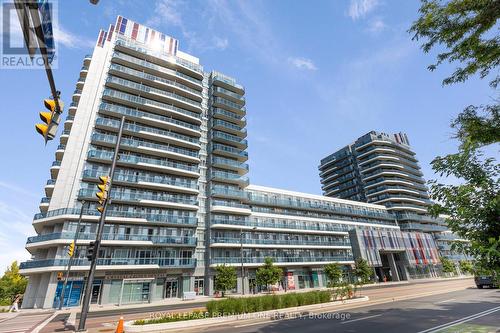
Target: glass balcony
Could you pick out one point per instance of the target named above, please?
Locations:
(260, 260)
(281, 225)
(225, 125)
(132, 44)
(45, 200)
(133, 159)
(137, 197)
(422, 227)
(234, 193)
(216, 76)
(153, 78)
(220, 161)
(51, 182)
(162, 262)
(73, 105)
(231, 116)
(150, 217)
(61, 147)
(122, 110)
(239, 98)
(235, 107)
(229, 204)
(111, 139)
(232, 139)
(139, 128)
(223, 149)
(155, 239)
(132, 178)
(147, 64)
(151, 90)
(56, 163)
(227, 176)
(145, 102)
(292, 242)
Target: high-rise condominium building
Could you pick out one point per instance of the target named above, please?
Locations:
(181, 203)
(382, 169)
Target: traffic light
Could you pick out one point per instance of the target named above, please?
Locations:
(71, 249)
(59, 276)
(91, 251)
(102, 194)
(50, 118)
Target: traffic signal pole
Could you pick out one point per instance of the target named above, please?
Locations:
(100, 228)
(70, 262)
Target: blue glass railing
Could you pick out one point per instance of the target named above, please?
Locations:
(229, 204)
(56, 163)
(45, 200)
(107, 155)
(162, 262)
(259, 260)
(155, 67)
(228, 149)
(229, 137)
(233, 106)
(227, 240)
(228, 192)
(229, 114)
(151, 217)
(229, 93)
(229, 176)
(156, 239)
(115, 195)
(142, 102)
(147, 115)
(229, 162)
(283, 225)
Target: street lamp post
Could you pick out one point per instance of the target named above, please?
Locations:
(70, 262)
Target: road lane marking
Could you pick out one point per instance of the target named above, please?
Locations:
(461, 320)
(446, 301)
(353, 320)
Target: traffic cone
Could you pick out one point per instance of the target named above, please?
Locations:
(119, 327)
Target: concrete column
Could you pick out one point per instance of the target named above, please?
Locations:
(392, 266)
(50, 280)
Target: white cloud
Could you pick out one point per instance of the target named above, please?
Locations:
(67, 39)
(220, 43)
(360, 8)
(168, 12)
(377, 25)
(302, 63)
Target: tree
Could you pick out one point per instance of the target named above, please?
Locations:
(11, 284)
(448, 266)
(466, 32)
(362, 271)
(334, 274)
(225, 278)
(268, 274)
(466, 266)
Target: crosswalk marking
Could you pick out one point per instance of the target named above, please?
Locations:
(22, 323)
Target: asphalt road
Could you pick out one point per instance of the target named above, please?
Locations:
(465, 311)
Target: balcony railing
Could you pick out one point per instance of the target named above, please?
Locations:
(229, 204)
(115, 195)
(155, 67)
(280, 225)
(228, 149)
(230, 176)
(228, 192)
(260, 260)
(139, 128)
(228, 114)
(141, 101)
(229, 162)
(107, 155)
(147, 115)
(291, 242)
(229, 137)
(156, 239)
(162, 262)
(229, 93)
(150, 217)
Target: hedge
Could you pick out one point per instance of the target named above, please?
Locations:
(241, 305)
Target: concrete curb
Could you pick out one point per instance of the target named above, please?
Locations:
(131, 328)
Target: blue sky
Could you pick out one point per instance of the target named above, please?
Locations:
(316, 77)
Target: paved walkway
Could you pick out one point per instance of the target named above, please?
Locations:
(21, 322)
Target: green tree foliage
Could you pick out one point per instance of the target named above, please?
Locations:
(225, 278)
(362, 271)
(466, 267)
(334, 274)
(268, 274)
(11, 284)
(448, 266)
(466, 33)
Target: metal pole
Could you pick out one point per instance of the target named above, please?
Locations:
(70, 262)
(93, 263)
(242, 268)
(35, 16)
